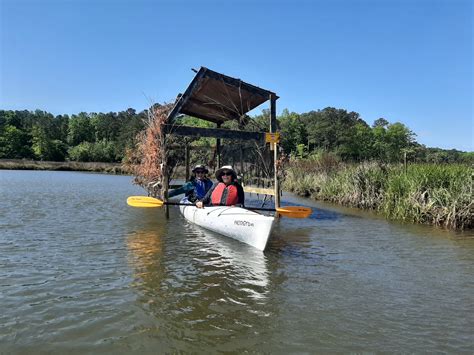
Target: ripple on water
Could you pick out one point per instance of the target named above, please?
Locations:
(89, 274)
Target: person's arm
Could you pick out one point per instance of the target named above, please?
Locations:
(183, 189)
(206, 199)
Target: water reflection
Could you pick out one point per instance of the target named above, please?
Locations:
(199, 286)
(145, 246)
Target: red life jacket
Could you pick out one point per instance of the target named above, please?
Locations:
(224, 195)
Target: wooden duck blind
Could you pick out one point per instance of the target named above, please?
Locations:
(218, 98)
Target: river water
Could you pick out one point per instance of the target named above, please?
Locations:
(81, 272)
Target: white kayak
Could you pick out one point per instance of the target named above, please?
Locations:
(238, 223)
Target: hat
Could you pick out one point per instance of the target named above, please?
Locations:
(200, 167)
(221, 170)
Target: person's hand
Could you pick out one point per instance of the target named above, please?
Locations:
(199, 204)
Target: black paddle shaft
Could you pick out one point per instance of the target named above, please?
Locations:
(249, 208)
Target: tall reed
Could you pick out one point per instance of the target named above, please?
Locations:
(433, 194)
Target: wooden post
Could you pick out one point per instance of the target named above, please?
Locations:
(273, 128)
(241, 157)
(218, 149)
(164, 167)
(186, 160)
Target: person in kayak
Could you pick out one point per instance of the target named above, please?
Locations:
(225, 192)
(197, 187)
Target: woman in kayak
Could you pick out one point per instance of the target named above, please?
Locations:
(197, 187)
(226, 191)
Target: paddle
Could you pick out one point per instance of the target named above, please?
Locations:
(288, 211)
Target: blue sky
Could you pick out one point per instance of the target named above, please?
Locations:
(408, 61)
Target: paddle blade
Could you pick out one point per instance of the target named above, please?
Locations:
(144, 201)
(295, 211)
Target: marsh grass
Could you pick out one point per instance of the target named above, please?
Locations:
(441, 195)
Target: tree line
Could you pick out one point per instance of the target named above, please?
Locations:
(105, 137)
(87, 137)
(350, 138)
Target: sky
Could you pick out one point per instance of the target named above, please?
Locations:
(408, 61)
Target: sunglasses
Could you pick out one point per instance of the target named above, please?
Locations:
(227, 173)
(199, 171)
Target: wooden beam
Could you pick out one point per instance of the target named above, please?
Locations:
(226, 114)
(192, 147)
(239, 83)
(259, 190)
(212, 132)
(205, 117)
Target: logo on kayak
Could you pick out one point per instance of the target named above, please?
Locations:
(244, 223)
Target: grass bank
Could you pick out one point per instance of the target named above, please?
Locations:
(440, 195)
(20, 164)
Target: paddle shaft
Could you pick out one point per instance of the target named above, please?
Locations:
(248, 208)
(288, 211)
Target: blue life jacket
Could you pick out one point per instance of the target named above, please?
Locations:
(201, 187)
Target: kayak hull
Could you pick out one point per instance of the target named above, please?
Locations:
(237, 223)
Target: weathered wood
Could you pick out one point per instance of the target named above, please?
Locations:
(226, 113)
(183, 98)
(165, 176)
(218, 148)
(273, 120)
(206, 118)
(273, 128)
(216, 97)
(259, 190)
(186, 161)
(192, 147)
(241, 158)
(212, 132)
(239, 83)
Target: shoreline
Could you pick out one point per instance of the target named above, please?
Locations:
(21, 164)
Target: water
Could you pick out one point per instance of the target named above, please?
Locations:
(83, 272)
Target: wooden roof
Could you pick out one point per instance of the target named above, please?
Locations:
(216, 97)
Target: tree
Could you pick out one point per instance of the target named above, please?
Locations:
(331, 128)
(80, 129)
(381, 122)
(14, 143)
(380, 143)
(293, 132)
(398, 138)
(45, 148)
(362, 142)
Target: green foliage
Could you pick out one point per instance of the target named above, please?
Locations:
(102, 151)
(40, 135)
(295, 135)
(330, 128)
(361, 146)
(196, 122)
(424, 193)
(466, 157)
(14, 143)
(81, 129)
(301, 151)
